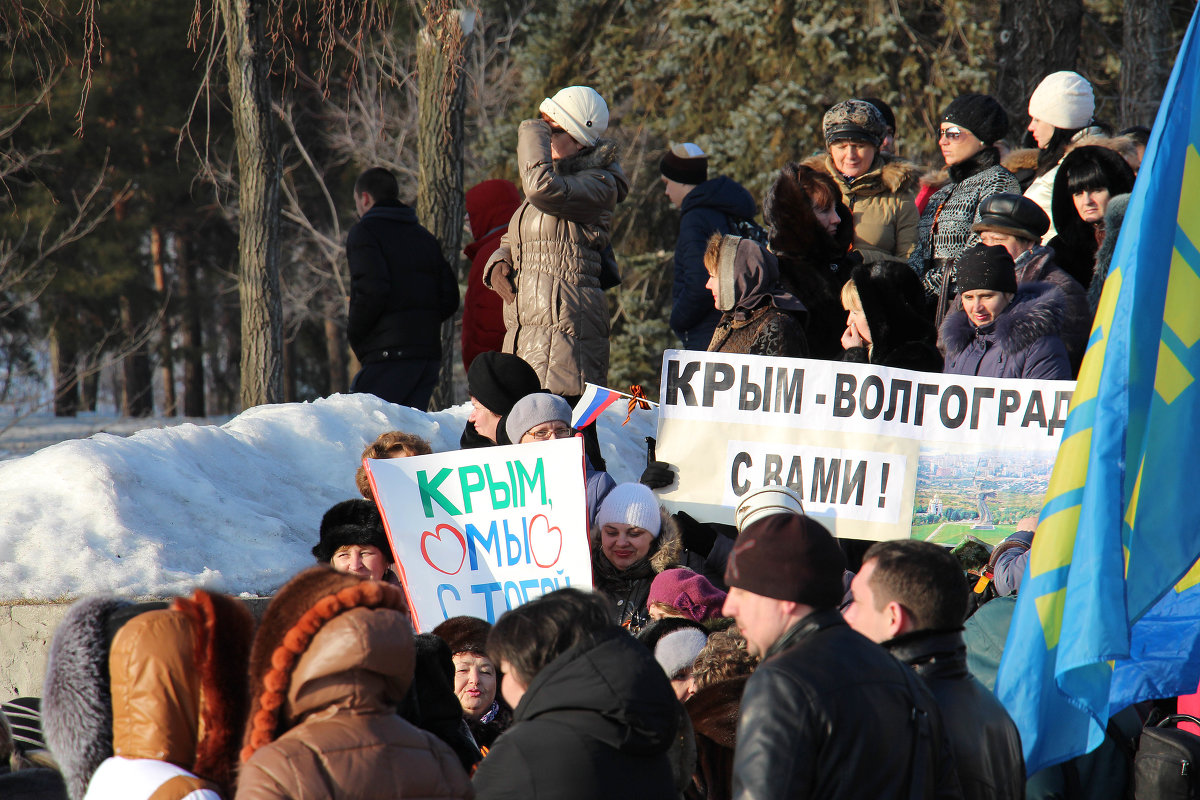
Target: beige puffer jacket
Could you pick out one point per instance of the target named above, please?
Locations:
(559, 320)
(345, 739)
(885, 216)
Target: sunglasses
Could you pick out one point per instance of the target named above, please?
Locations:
(951, 134)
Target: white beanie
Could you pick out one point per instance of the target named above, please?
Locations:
(765, 502)
(631, 504)
(580, 111)
(678, 649)
(1065, 100)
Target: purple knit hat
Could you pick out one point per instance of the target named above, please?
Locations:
(687, 591)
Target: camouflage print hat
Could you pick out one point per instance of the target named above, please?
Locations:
(856, 120)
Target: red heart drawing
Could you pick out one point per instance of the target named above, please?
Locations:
(445, 549)
(545, 535)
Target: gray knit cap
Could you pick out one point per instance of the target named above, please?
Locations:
(533, 410)
(856, 120)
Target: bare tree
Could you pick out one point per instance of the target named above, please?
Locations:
(1147, 54)
(1033, 39)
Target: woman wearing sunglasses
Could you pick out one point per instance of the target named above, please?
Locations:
(967, 133)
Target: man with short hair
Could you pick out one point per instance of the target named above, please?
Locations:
(401, 289)
(708, 207)
(911, 597)
(827, 714)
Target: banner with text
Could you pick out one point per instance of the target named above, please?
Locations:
(875, 453)
(477, 532)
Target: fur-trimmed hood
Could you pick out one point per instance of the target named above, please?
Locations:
(603, 155)
(901, 335)
(1024, 158)
(666, 550)
(888, 174)
(1036, 311)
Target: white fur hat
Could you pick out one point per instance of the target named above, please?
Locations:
(580, 111)
(1064, 99)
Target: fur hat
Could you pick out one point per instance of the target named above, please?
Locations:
(788, 557)
(1013, 214)
(987, 268)
(687, 591)
(295, 615)
(351, 522)
(981, 114)
(464, 634)
(856, 120)
(684, 163)
(1064, 99)
(499, 380)
(631, 504)
(533, 410)
(676, 651)
(764, 502)
(580, 111)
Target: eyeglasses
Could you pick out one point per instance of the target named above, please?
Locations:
(542, 433)
(952, 134)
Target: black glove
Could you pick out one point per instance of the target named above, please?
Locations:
(658, 474)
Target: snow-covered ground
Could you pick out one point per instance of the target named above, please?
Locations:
(233, 507)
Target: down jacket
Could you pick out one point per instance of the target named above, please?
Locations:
(595, 724)
(881, 202)
(1023, 342)
(559, 319)
(1038, 266)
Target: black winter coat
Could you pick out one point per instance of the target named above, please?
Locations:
(595, 724)
(829, 714)
(983, 739)
(401, 287)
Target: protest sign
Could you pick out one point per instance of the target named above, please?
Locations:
(477, 532)
(875, 453)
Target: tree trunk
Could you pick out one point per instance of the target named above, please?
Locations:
(1147, 55)
(1033, 39)
(170, 404)
(289, 371)
(190, 334)
(137, 392)
(335, 351)
(247, 59)
(440, 204)
(66, 381)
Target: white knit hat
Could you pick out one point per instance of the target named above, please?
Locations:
(631, 504)
(580, 111)
(1064, 99)
(765, 502)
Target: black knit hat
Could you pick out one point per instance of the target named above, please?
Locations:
(981, 114)
(986, 268)
(788, 557)
(464, 634)
(351, 522)
(1013, 214)
(685, 163)
(499, 380)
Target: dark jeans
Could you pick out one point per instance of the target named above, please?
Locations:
(404, 381)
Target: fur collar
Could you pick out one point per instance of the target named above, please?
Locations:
(1025, 158)
(599, 156)
(1036, 310)
(888, 174)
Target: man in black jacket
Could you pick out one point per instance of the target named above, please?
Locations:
(401, 289)
(828, 714)
(911, 597)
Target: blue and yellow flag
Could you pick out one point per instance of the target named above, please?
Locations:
(1109, 609)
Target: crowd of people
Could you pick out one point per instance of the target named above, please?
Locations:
(762, 659)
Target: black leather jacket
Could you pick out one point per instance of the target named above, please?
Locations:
(829, 714)
(983, 738)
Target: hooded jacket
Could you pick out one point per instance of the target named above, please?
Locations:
(401, 287)
(759, 317)
(327, 726)
(901, 336)
(983, 738)
(1038, 266)
(706, 210)
(595, 724)
(1077, 241)
(881, 203)
(490, 205)
(1023, 341)
(559, 319)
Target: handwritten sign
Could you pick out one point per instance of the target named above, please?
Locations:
(477, 532)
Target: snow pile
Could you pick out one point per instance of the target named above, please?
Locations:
(235, 508)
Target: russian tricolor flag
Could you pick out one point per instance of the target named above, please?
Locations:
(595, 399)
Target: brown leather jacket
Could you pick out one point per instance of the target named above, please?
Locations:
(345, 739)
(559, 320)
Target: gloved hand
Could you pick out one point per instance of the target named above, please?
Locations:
(658, 474)
(502, 283)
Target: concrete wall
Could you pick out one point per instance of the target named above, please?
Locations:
(25, 635)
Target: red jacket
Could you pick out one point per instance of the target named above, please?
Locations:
(490, 205)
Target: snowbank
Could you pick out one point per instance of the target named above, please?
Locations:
(234, 507)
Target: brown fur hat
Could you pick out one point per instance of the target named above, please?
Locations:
(296, 614)
(464, 634)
